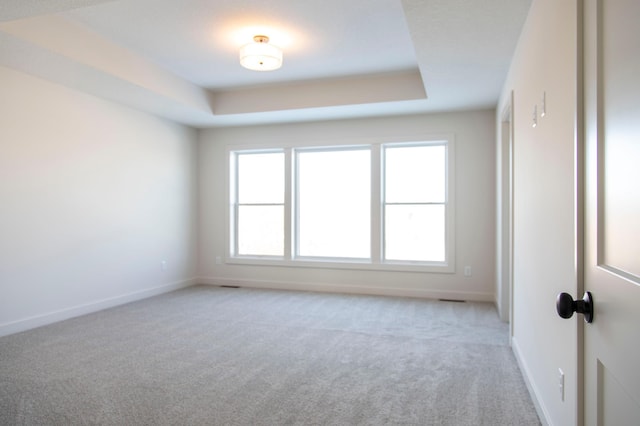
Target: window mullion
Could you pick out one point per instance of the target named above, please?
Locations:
(288, 207)
(376, 203)
(236, 203)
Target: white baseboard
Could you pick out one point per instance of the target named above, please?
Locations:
(87, 308)
(533, 390)
(348, 288)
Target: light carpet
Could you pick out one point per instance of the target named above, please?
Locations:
(218, 356)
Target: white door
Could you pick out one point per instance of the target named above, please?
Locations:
(612, 211)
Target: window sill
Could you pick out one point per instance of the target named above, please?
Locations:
(353, 264)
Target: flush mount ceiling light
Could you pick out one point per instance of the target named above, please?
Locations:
(260, 55)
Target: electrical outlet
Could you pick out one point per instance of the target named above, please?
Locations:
(561, 383)
(467, 271)
(218, 260)
(163, 265)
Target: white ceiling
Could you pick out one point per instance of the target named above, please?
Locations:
(179, 58)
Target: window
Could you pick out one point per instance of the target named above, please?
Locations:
(333, 201)
(379, 206)
(259, 209)
(415, 203)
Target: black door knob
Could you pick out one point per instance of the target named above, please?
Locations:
(566, 306)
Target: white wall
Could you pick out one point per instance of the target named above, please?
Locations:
(93, 197)
(544, 210)
(475, 200)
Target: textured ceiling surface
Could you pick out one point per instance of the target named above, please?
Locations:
(199, 39)
(179, 58)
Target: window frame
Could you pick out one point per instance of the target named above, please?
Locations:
(233, 191)
(376, 260)
(384, 203)
(295, 220)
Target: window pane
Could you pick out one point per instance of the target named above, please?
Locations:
(261, 230)
(415, 174)
(334, 203)
(261, 178)
(415, 232)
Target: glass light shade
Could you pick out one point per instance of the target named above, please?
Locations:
(260, 56)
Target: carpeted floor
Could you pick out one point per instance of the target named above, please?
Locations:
(218, 356)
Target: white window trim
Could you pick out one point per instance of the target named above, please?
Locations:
(232, 195)
(449, 218)
(375, 263)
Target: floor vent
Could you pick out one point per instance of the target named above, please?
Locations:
(452, 300)
(230, 286)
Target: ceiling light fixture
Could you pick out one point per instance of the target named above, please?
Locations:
(260, 55)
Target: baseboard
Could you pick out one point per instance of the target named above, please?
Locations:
(533, 390)
(348, 288)
(52, 317)
(503, 311)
